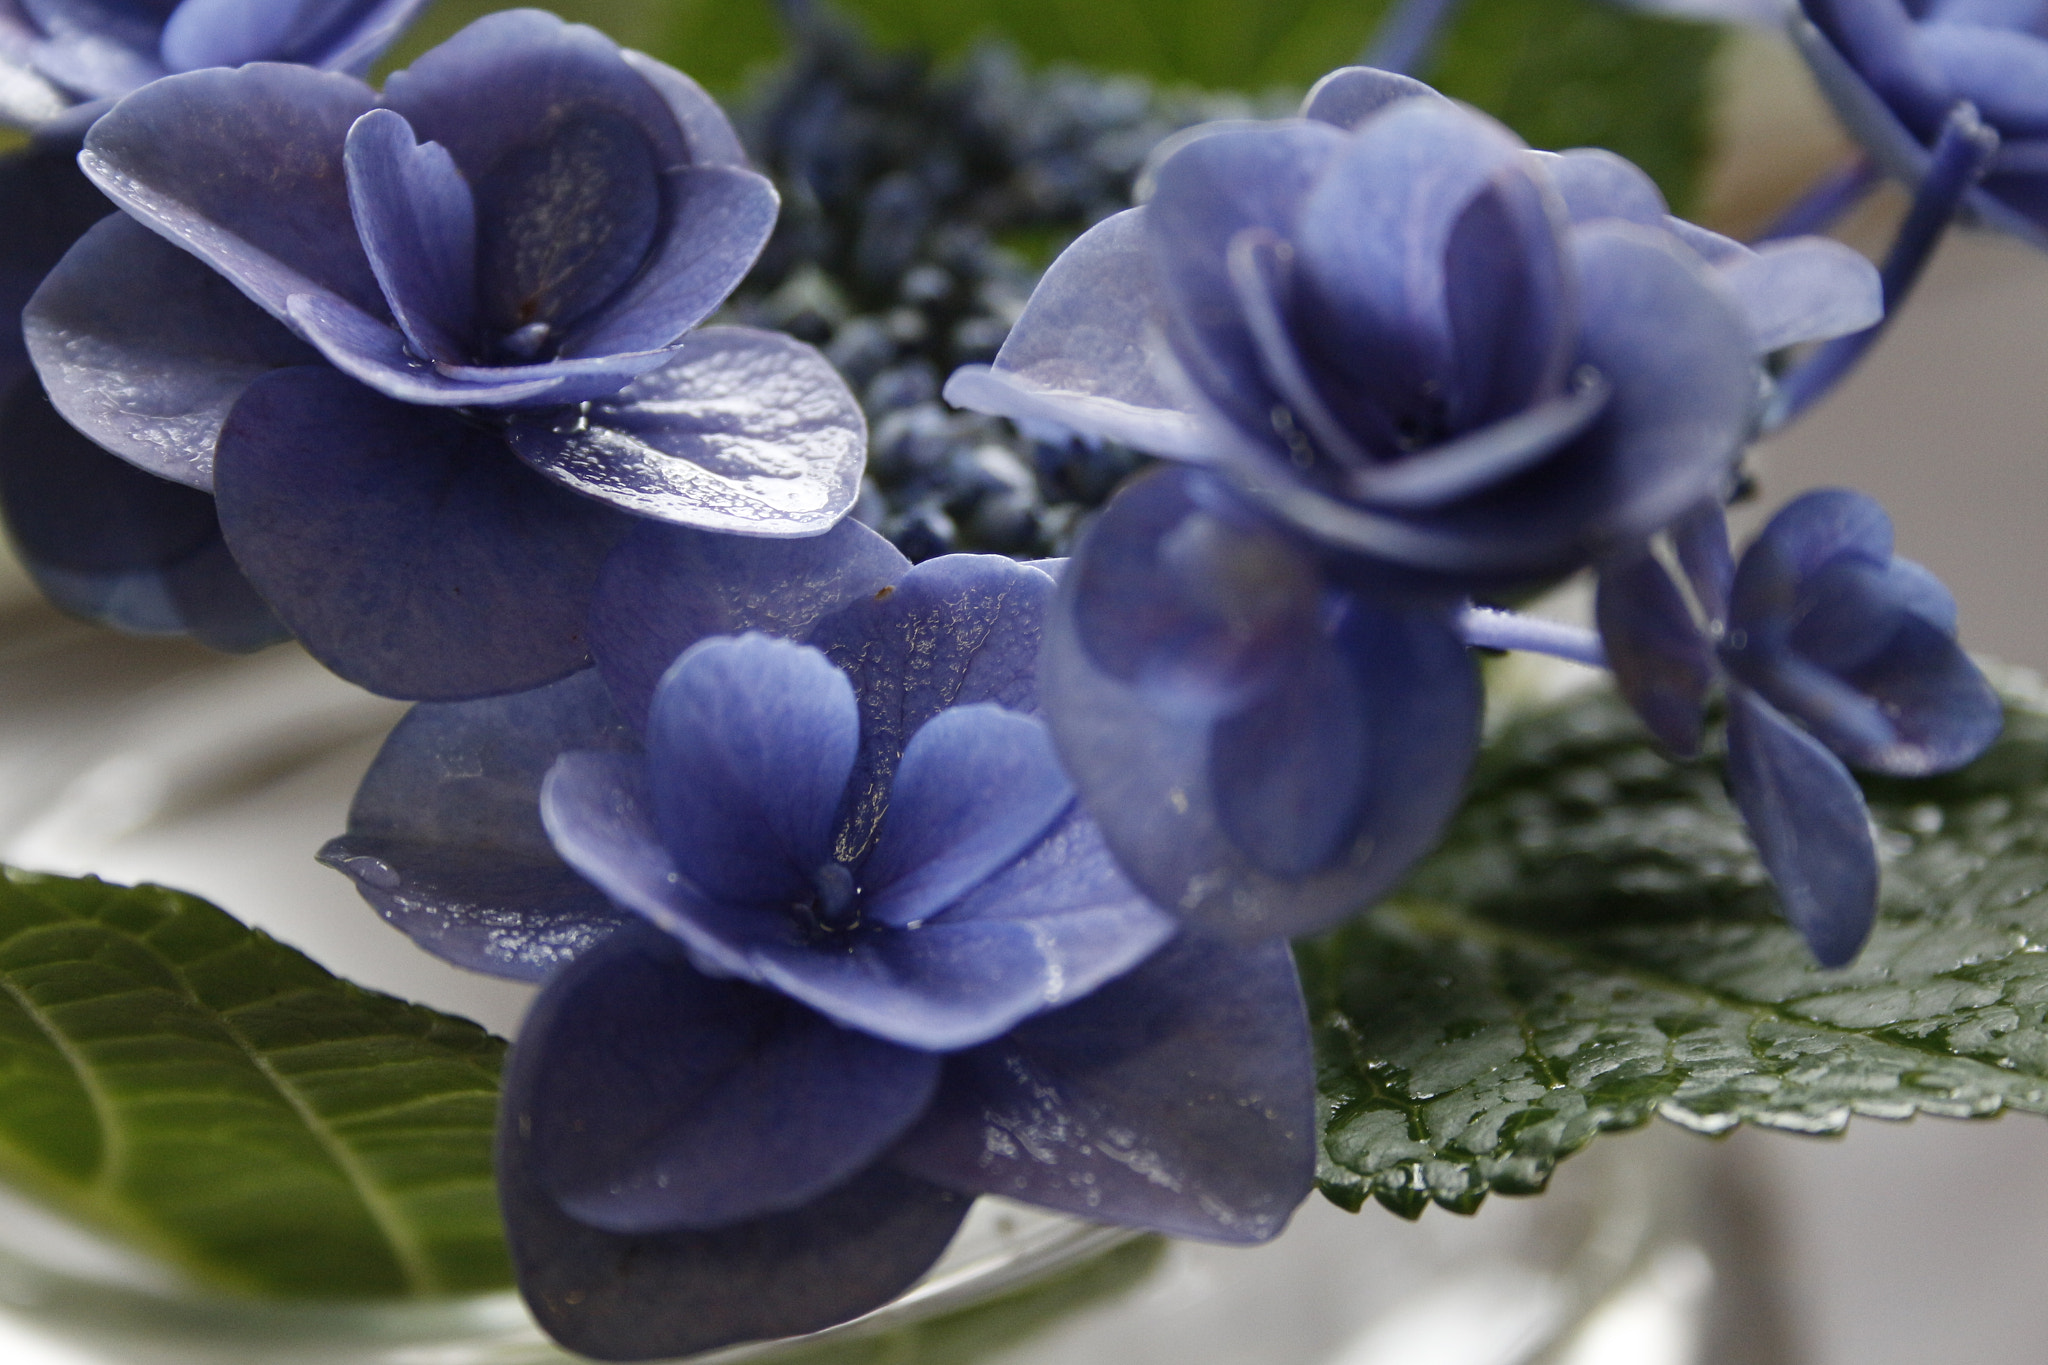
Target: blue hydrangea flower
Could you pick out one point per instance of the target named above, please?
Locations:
(105, 541)
(1396, 357)
(1895, 71)
(1831, 649)
(432, 351)
(857, 956)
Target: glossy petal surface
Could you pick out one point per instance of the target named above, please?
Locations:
(401, 546)
(744, 431)
(1089, 1109)
(667, 587)
(145, 349)
(662, 1099)
(444, 837)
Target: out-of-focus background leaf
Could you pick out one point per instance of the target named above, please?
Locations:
(1562, 73)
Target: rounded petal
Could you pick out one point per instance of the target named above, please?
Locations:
(976, 786)
(1303, 801)
(744, 431)
(342, 35)
(243, 168)
(957, 630)
(1810, 826)
(445, 840)
(1881, 43)
(1081, 354)
(402, 545)
(2001, 71)
(1350, 95)
(619, 1296)
(1661, 659)
(417, 220)
(1180, 1098)
(1805, 289)
(145, 349)
(749, 744)
(107, 542)
(659, 1099)
(721, 217)
(1595, 183)
(706, 129)
(667, 587)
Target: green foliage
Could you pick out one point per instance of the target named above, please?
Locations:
(717, 41)
(209, 1095)
(1596, 944)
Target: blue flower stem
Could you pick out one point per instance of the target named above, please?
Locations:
(1821, 207)
(1491, 628)
(1962, 155)
(1406, 38)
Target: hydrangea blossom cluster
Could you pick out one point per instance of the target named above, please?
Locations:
(855, 890)
(1398, 358)
(848, 953)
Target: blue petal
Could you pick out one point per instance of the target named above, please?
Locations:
(107, 542)
(145, 349)
(749, 744)
(661, 1099)
(1180, 1098)
(362, 30)
(418, 224)
(1805, 289)
(1511, 303)
(706, 130)
(1701, 539)
(957, 630)
(1662, 662)
(976, 786)
(659, 1295)
(339, 34)
(1208, 192)
(445, 840)
(667, 587)
(720, 218)
(742, 430)
(1350, 95)
(2002, 72)
(373, 352)
(402, 545)
(1810, 531)
(1882, 44)
(1810, 826)
(1147, 764)
(1081, 354)
(1595, 184)
(243, 168)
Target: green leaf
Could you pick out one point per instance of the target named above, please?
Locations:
(1596, 944)
(206, 1094)
(716, 41)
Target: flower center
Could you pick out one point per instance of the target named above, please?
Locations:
(832, 910)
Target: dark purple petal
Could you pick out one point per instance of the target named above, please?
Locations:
(637, 1297)
(243, 168)
(1511, 301)
(1810, 826)
(1208, 192)
(719, 218)
(417, 220)
(1595, 184)
(957, 630)
(1180, 1098)
(745, 431)
(342, 35)
(667, 587)
(445, 840)
(107, 542)
(402, 545)
(374, 353)
(749, 744)
(976, 786)
(1081, 352)
(144, 349)
(510, 85)
(1363, 730)
(1662, 661)
(1350, 95)
(658, 1099)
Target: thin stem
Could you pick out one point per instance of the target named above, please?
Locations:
(1491, 628)
(1821, 207)
(1407, 36)
(1965, 150)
